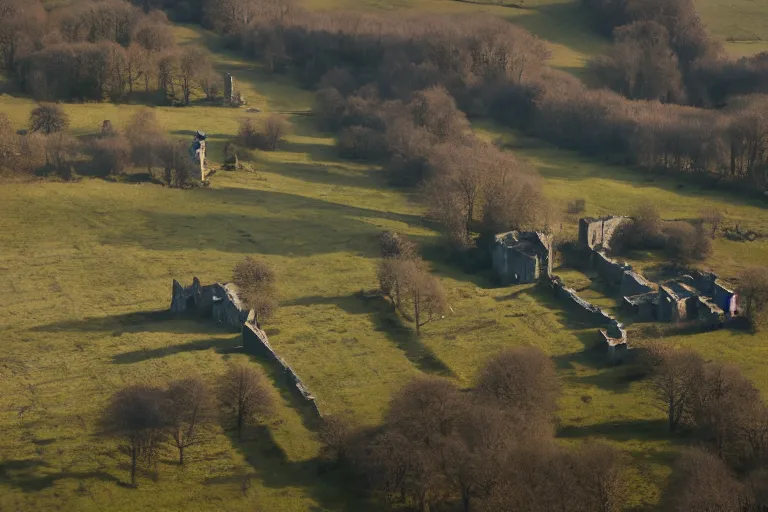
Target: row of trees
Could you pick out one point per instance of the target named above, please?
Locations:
(494, 69)
(99, 50)
(48, 147)
(147, 419)
(490, 448)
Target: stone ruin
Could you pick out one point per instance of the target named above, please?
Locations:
(521, 257)
(232, 97)
(197, 152)
(220, 303)
(697, 297)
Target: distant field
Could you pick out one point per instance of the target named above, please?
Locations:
(85, 264)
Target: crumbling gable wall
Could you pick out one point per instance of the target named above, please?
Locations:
(610, 270)
(521, 257)
(596, 233)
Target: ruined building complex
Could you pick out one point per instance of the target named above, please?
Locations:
(219, 302)
(522, 257)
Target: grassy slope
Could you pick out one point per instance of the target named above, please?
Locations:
(91, 254)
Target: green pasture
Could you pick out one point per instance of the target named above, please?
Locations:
(87, 270)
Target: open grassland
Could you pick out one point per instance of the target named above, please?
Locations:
(87, 266)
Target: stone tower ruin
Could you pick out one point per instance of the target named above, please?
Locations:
(229, 89)
(197, 151)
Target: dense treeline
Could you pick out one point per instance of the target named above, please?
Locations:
(490, 448)
(728, 419)
(491, 68)
(663, 51)
(99, 50)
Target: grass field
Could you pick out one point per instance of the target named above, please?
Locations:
(86, 267)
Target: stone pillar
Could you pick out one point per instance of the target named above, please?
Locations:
(202, 160)
(229, 88)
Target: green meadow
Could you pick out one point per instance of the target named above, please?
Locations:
(86, 277)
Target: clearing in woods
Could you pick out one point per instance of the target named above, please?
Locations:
(87, 267)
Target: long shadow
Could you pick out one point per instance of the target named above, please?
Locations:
(404, 337)
(140, 321)
(330, 174)
(137, 356)
(334, 488)
(294, 225)
(626, 430)
(287, 391)
(26, 475)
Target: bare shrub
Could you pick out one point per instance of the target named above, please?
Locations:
(248, 133)
(360, 142)
(10, 145)
(146, 137)
(136, 415)
(686, 243)
(48, 118)
(273, 132)
(713, 218)
(244, 396)
(113, 153)
(257, 286)
(61, 151)
(173, 158)
(336, 434)
(397, 245)
(753, 290)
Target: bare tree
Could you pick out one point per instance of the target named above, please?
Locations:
(112, 153)
(194, 64)
(190, 411)
(753, 293)
(257, 286)
(273, 131)
(426, 296)
(335, 434)
(136, 415)
(674, 383)
(146, 136)
(702, 482)
(48, 118)
(523, 382)
(395, 275)
(601, 477)
(713, 217)
(244, 396)
(61, 151)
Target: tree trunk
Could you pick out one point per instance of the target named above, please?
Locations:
(239, 425)
(181, 455)
(133, 466)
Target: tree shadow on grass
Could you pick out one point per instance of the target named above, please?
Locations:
(34, 475)
(287, 224)
(138, 321)
(219, 345)
(332, 487)
(623, 430)
(405, 338)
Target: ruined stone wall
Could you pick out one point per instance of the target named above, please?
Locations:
(633, 283)
(610, 270)
(512, 266)
(597, 233)
(256, 342)
(725, 298)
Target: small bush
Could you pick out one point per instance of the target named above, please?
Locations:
(577, 206)
(359, 142)
(686, 243)
(266, 136)
(112, 155)
(48, 118)
(248, 133)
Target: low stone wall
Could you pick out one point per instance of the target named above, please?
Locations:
(614, 335)
(256, 342)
